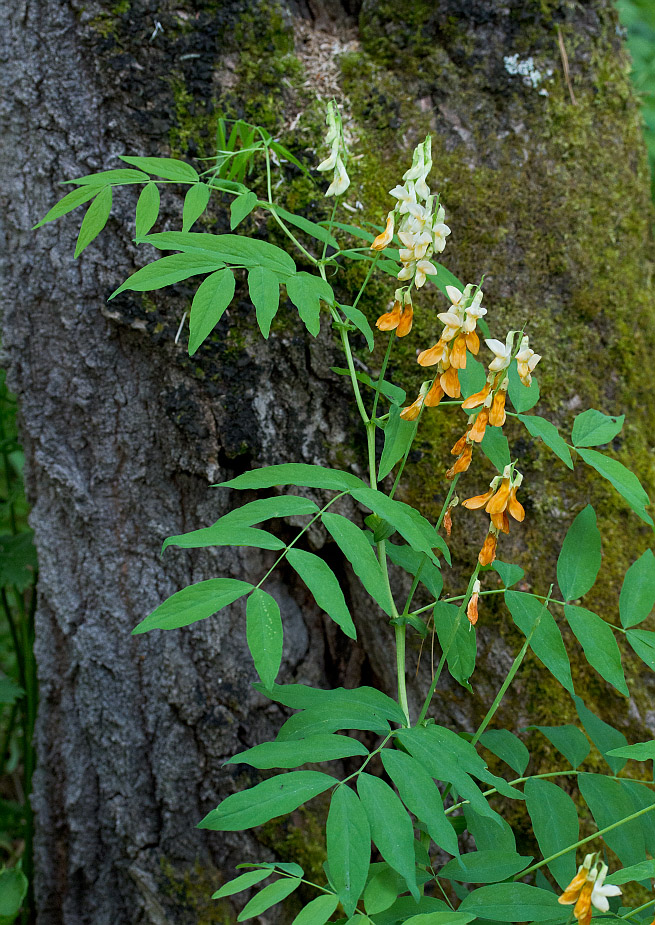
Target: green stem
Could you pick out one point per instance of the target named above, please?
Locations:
(632, 912)
(296, 538)
(382, 373)
(368, 758)
(345, 341)
(583, 841)
(446, 650)
(510, 676)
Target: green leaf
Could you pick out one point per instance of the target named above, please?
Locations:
(542, 429)
(604, 736)
(166, 167)
(244, 882)
(406, 907)
(356, 548)
(643, 643)
(210, 301)
(383, 889)
(325, 588)
(253, 512)
(641, 751)
(311, 228)
(609, 801)
(305, 291)
(318, 911)
(274, 797)
(489, 834)
(18, 562)
(439, 918)
(264, 289)
(513, 902)
(391, 827)
(420, 795)
(535, 621)
(168, 270)
(445, 756)
(240, 208)
(264, 634)
(147, 209)
(348, 846)
(645, 870)
(496, 448)
(300, 696)
(229, 248)
(580, 557)
(569, 740)
(13, 889)
(294, 752)
(507, 747)
(624, 481)
(299, 474)
(643, 798)
(593, 428)
(462, 651)
(271, 895)
(472, 378)
(418, 532)
(94, 220)
(224, 534)
(410, 560)
(9, 690)
(71, 201)
(398, 436)
(522, 397)
(330, 717)
(195, 203)
(197, 602)
(555, 825)
(484, 866)
(286, 155)
(637, 597)
(509, 573)
(111, 177)
(295, 870)
(599, 643)
(359, 319)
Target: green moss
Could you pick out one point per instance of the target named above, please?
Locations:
(300, 838)
(191, 888)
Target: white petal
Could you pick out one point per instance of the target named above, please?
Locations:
(497, 347)
(450, 318)
(422, 189)
(453, 294)
(419, 279)
(424, 266)
(408, 239)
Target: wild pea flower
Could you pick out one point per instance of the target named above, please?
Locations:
(400, 317)
(588, 889)
(526, 360)
(420, 230)
(498, 501)
(338, 153)
(472, 606)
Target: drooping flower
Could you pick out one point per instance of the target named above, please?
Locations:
(472, 606)
(385, 237)
(338, 153)
(400, 318)
(588, 889)
(526, 361)
(498, 501)
(502, 352)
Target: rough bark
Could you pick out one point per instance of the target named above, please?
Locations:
(123, 434)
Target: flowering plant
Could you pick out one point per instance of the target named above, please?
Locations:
(400, 841)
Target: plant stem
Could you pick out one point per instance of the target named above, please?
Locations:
(444, 654)
(382, 373)
(510, 676)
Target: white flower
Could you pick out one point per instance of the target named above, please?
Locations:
(423, 268)
(600, 892)
(440, 233)
(502, 352)
(407, 271)
(330, 162)
(422, 188)
(341, 180)
(456, 297)
(406, 196)
(526, 361)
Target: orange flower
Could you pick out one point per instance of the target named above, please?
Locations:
(461, 463)
(389, 321)
(385, 238)
(435, 395)
(498, 502)
(461, 443)
(405, 325)
(473, 342)
(488, 552)
(448, 522)
(472, 606)
(433, 354)
(479, 426)
(412, 411)
(479, 501)
(497, 414)
(515, 507)
(458, 352)
(450, 382)
(582, 909)
(477, 399)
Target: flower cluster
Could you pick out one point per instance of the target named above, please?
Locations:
(420, 229)
(338, 153)
(498, 501)
(588, 889)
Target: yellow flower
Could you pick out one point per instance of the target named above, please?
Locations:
(587, 889)
(385, 238)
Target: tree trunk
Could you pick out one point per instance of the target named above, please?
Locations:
(123, 433)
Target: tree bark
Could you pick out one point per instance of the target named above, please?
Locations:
(124, 434)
